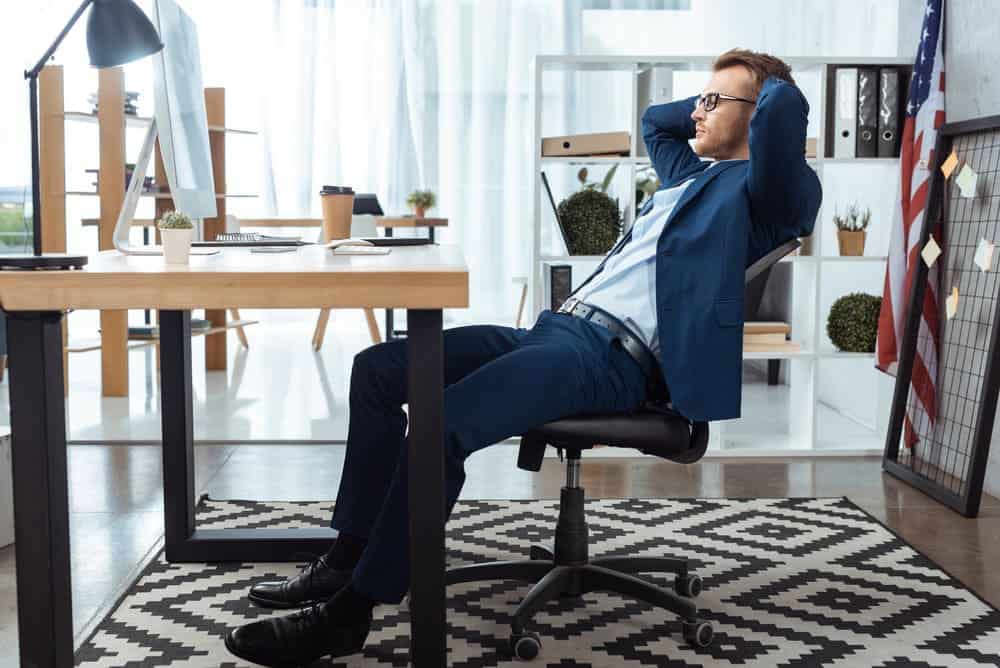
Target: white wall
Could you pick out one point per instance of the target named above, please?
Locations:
(800, 28)
(971, 90)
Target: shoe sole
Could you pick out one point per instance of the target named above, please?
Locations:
(235, 652)
(279, 605)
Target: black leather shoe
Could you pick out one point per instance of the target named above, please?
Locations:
(298, 639)
(316, 583)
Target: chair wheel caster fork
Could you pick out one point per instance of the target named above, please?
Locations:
(525, 646)
(688, 586)
(698, 633)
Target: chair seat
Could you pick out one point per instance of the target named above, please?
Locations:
(660, 431)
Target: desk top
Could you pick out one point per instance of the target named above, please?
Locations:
(428, 276)
(380, 221)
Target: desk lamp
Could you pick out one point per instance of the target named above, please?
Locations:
(117, 33)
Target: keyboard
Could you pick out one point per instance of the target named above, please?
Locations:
(239, 239)
(398, 241)
(361, 250)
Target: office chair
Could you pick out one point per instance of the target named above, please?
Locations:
(654, 429)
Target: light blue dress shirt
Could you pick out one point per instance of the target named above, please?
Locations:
(626, 287)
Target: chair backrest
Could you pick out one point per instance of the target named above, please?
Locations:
(757, 275)
(764, 263)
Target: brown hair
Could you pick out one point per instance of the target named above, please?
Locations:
(760, 65)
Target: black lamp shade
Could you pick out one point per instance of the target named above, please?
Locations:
(118, 32)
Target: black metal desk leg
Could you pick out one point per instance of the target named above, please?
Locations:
(176, 407)
(41, 496)
(390, 326)
(426, 441)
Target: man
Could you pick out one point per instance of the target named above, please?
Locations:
(670, 291)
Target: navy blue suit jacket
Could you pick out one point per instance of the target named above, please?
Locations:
(731, 215)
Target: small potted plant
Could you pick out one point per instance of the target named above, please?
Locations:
(176, 230)
(851, 230)
(646, 185)
(420, 201)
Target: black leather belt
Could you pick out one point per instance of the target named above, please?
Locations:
(631, 343)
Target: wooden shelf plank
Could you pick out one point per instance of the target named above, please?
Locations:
(136, 222)
(593, 159)
(380, 221)
(143, 121)
(89, 193)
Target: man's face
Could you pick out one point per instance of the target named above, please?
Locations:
(722, 133)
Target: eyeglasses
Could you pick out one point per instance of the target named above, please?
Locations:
(710, 101)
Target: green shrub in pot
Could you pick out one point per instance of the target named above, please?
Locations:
(853, 322)
(591, 217)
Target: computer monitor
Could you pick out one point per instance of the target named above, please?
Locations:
(180, 123)
(179, 103)
(367, 204)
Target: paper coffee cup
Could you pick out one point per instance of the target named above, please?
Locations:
(338, 205)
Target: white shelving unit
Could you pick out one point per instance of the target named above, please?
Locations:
(827, 402)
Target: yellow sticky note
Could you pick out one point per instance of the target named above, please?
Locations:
(952, 303)
(949, 165)
(967, 180)
(984, 255)
(930, 252)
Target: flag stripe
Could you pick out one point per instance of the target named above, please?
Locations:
(924, 115)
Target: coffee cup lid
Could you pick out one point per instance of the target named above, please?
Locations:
(336, 190)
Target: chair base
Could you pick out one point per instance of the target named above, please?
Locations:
(567, 571)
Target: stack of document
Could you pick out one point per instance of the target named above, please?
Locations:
(767, 337)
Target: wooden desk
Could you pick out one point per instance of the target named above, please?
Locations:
(387, 222)
(422, 279)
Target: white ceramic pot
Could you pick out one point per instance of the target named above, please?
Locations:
(176, 245)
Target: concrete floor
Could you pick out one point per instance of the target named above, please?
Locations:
(116, 505)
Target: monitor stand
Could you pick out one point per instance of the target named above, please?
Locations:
(132, 193)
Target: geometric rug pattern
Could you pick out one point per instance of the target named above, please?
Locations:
(787, 582)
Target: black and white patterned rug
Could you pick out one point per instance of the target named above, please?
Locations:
(788, 582)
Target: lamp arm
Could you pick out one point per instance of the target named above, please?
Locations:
(33, 72)
(32, 77)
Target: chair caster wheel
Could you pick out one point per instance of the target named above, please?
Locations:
(698, 634)
(688, 586)
(525, 646)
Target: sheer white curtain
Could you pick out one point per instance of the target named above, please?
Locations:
(397, 95)
(384, 95)
(389, 96)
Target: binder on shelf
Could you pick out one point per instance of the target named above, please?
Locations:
(888, 112)
(598, 143)
(846, 112)
(560, 284)
(654, 85)
(866, 145)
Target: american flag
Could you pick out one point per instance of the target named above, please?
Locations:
(924, 115)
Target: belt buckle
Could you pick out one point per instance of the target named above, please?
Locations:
(568, 305)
